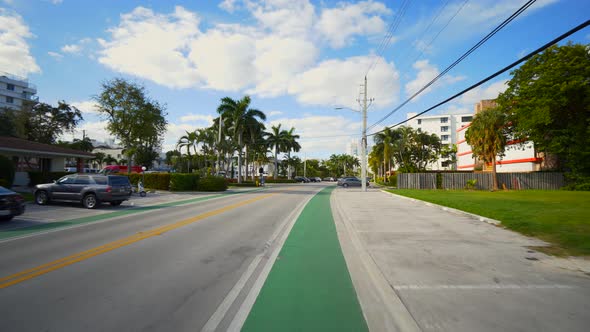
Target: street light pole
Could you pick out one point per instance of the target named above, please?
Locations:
(218, 144)
(364, 142)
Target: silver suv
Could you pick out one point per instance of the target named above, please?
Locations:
(90, 190)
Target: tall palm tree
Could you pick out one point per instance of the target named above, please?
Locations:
(487, 137)
(276, 139)
(188, 141)
(384, 139)
(291, 144)
(240, 115)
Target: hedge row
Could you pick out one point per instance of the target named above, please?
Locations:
(279, 181)
(212, 183)
(244, 184)
(158, 181)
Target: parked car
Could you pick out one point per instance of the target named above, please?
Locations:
(120, 169)
(351, 182)
(89, 189)
(317, 179)
(11, 204)
(299, 179)
(341, 180)
(329, 178)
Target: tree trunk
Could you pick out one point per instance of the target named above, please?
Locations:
(276, 162)
(289, 165)
(494, 175)
(240, 159)
(246, 161)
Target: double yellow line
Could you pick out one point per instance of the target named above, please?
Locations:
(69, 260)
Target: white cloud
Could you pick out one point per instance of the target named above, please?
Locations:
(228, 5)
(72, 48)
(291, 18)
(55, 55)
(173, 133)
(274, 113)
(86, 107)
(151, 45)
(93, 129)
(278, 60)
(225, 59)
(425, 73)
(8, 2)
(336, 83)
(339, 25)
(207, 119)
(322, 135)
(491, 91)
(56, 2)
(15, 56)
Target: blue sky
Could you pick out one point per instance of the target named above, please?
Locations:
(298, 59)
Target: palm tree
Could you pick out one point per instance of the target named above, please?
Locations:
(487, 137)
(99, 157)
(240, 116)
(291, 145)
(187, 141)
(384, 139)
(276, 139)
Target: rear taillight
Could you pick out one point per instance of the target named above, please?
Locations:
(109, 189)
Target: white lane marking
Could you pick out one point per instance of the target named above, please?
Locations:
(483, 287)
(240, 318)
(222, 309)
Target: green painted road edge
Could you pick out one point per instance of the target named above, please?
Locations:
(309, 287)
(17, 232)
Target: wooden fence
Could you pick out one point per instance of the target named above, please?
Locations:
(514, 181)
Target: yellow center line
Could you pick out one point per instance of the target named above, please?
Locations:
(83, 255)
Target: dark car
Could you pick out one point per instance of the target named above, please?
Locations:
(89, 189)
(299, 179)
(351, 182)
(11, 204)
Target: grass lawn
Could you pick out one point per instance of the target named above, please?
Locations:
(558, 217)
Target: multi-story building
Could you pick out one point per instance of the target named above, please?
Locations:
(518, 156)
(15, 90)
(444, 126)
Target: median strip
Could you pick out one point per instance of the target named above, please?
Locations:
(309, 287)
(69, 260)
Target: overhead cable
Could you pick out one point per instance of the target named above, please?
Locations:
(510, 66)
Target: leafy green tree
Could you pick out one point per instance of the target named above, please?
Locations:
(487, 137)
(136, 120)
(448, 153)
(548, 102)
(291, 144)
(40, 122)
(188, 141)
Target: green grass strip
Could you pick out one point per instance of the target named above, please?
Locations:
(309, 287)
(556, 216)
(9, 233)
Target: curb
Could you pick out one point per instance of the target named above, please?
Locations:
(449, 209)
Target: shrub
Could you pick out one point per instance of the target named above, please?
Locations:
(392, 180)
(6, 171)
(212, 183)
(36, 177)
(470, 185)
(184, 181)
(439, 179)
(159, 181)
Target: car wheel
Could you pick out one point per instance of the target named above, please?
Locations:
(345, 185)
(116, 203)
(41, 197)
(6, 218)
(89, 201)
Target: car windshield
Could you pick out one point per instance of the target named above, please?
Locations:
(5, 191)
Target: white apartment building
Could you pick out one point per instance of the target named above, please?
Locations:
(518, 156)
(443, 125)
(15, 90)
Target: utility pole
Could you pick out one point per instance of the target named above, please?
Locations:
(364, 141)
(304, 165)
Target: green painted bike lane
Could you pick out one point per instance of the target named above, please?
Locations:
(17, 232)
(309, 287)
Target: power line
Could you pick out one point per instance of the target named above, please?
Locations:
(388, 36)
(460, 59)
(512, 65)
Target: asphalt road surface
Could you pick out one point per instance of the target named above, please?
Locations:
(167, 269)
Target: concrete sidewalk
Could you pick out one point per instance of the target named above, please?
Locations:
(419, 268)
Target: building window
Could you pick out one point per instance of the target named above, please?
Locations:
(466, 118)
(444, 120)
(9, 100)
(10, 87)
(444, 129)
(444, 137)
(419, 121)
